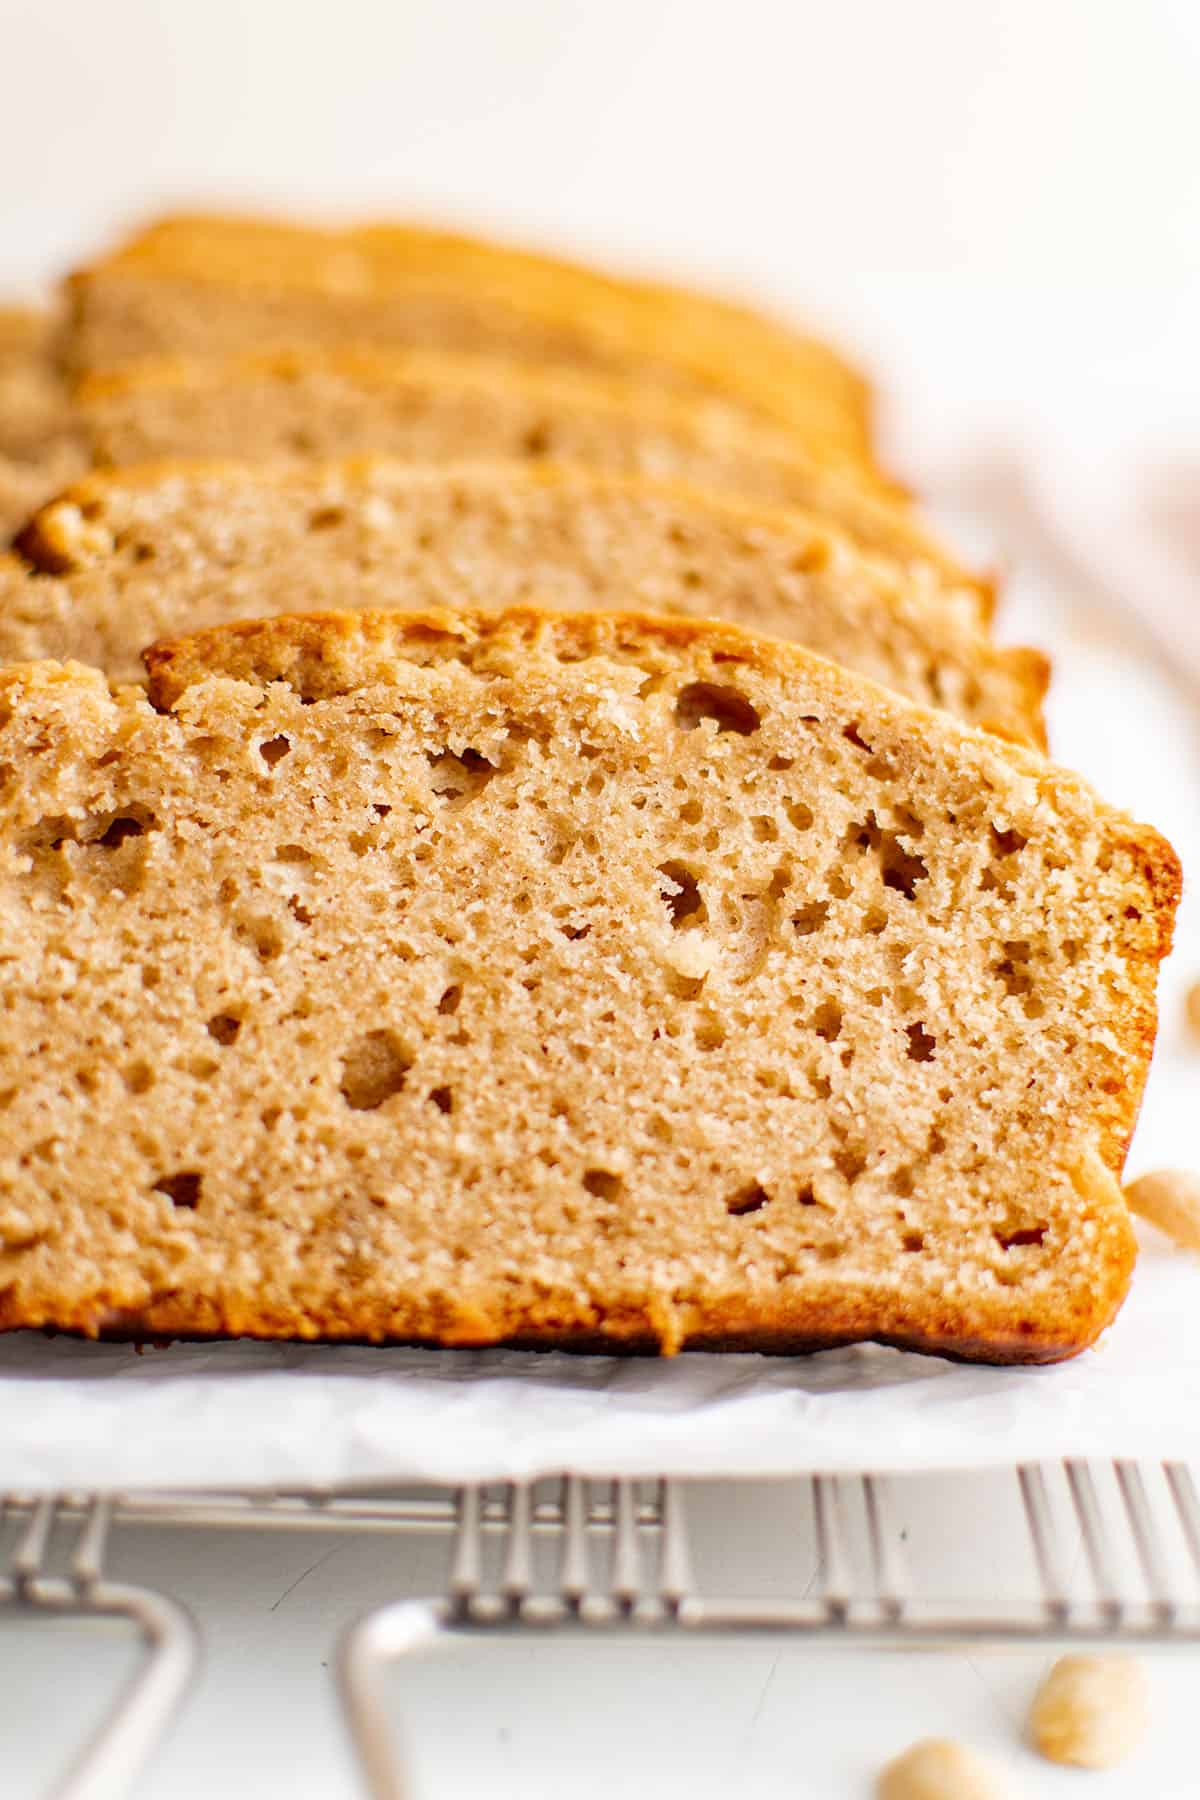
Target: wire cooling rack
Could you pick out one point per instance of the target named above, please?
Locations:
(1111, 1554)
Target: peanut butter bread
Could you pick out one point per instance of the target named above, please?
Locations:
(27, 482)
(430, 407)
(127, 557)
(39, 447)
(550, 979)
(198, 284)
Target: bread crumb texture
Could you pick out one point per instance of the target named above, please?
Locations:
(431, 407)
(1091, 1711)
(40, 448)
(127, 557)
(549, 978)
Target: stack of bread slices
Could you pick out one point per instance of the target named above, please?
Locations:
(515, 831)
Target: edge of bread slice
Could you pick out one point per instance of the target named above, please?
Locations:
(124, 557)
(434, 406)
(39, 440)
(203, 283)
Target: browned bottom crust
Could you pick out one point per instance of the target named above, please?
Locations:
(711, 1327)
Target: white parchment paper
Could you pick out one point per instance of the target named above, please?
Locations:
(246, 1415)
(231, 1415)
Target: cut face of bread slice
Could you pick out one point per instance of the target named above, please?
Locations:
(199, 285)
(124, 558)
(559, 979)
(39, 448)
(27, 482)
(436, 408)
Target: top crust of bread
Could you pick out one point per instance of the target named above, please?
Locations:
(688, 339)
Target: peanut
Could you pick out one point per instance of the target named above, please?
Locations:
(1191, 1006)
(1169, 1199)
(1090, 1711)
(937, 1769)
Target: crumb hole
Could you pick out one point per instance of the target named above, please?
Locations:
(921, 1046)
(603, 1183)
(749, 1199)
(1013, 968)
(448, 1004)
(728, 709)
(182, 1189)
(459, 778)
(274, 750)
(1025, 1234)
(811, 918)
(443, 1099)
(827, 1020)
(374, 1069)
(850, 1161)
(121, 828)
(265, 935)
(902, 869)
(681, 891)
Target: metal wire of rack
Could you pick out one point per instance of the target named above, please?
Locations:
(1113, 1555)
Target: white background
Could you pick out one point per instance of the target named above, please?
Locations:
(999, 203)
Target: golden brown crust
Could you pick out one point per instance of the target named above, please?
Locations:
(763, 363)
(951, 1334)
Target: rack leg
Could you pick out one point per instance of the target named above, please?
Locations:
(364, 1650)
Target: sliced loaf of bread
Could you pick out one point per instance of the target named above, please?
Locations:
(198, 284)
(127, 557)
(431, 407)
(561, 980)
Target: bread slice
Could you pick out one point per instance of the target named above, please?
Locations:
(198, 284)
(559, 979)
(124, 558)
(430, 407)
(39, 447)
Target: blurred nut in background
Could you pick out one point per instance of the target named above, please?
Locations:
(937, 1769)
(1090, 1711)
(1169, 1199)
